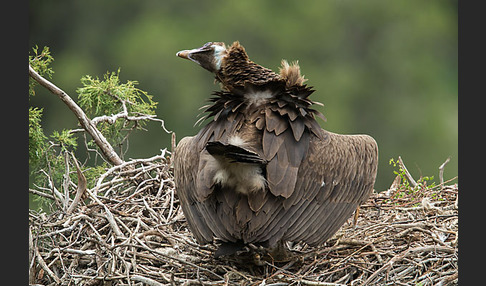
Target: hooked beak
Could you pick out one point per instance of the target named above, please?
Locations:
(207, 56)
(186, 54)
(183, 54)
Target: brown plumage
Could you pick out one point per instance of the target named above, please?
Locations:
(262, 170)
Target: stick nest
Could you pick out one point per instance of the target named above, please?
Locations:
(130, 230)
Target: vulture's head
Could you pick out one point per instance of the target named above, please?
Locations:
(208, 56)
(230, 64)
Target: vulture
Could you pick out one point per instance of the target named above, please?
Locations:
(262, 171)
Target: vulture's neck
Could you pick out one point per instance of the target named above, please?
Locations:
(261, 95)
(284, 96)
(237, 70)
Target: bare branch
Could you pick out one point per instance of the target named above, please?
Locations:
(108, 215)
(136, 233)
(111, 119)
(441, 171)
(81, 188)
(44, 266)
(409, 177)
(56, 194)
(145, 280)
(66, 181)
(42, 194)
(100, 140)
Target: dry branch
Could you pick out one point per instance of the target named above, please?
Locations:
(407, 173)
(81, 187)
(132, 232)
(441, 171)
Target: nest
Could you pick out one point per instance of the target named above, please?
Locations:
(130, 230)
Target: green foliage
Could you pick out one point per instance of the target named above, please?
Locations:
(40, 63)
(92, 174)
(100, 97)
(405, 188)
(65, 139)
(109, 96)
(405, 183)
(37, 139)
(117, 108)
(42, 152)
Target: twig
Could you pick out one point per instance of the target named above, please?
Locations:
(144, 246)
(108, 215)
(42, 194)
(441, 171)
(124, 114)
(319, 283)
(173, 145)
(85, 122)
(146, 280)
(406, 253)
(59, 231)
(81, 188)
(121, 167)
(66, 181)
(447, 279)
(56, 194)
(171, 208)
(75, 251)
(32, 255)
(44, 266)
(409, 177)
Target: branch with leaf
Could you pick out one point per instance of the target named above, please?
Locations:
(85, 122)
(107, 111)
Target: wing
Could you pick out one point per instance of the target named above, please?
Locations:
(186, 160)
(201, 213)
(334, 179)
(337, 175)
(210, 209)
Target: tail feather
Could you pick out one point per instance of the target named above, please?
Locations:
(234, 153)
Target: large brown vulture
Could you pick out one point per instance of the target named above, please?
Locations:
(263, 171)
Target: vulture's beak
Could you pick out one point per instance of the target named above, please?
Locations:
(189, 54)
(184, 54)
(207, 56)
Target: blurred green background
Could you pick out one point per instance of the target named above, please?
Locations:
(384, 68)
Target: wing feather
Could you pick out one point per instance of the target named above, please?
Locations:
(298, 128)
(271, 144)
(340, 175)
(275, 122)
(186, 162)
